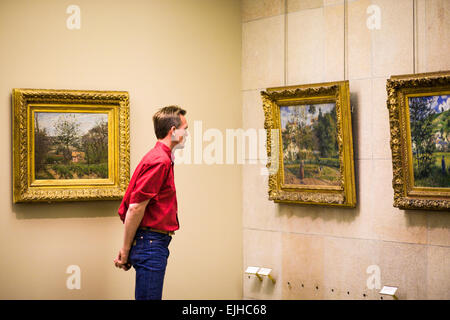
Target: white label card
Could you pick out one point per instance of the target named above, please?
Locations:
(252, 270)
(264, 271)
(388, 290)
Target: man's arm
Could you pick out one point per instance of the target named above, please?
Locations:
(133, 219)
(147, 187)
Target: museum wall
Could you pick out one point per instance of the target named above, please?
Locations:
(185, 52)
(336, 253)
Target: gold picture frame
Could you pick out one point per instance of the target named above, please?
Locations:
(420, 139)
(70, 145)
(304, 166)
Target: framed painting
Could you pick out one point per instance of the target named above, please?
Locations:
(419, 118)
(70, 145)
(309, 144)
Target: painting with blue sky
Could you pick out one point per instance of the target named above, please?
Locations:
(70, 145)
(310, 144)
(430, 140)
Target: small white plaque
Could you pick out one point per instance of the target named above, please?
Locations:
(388, 290)
(264, 271)
(252, 270)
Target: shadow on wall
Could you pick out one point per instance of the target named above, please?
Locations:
(354, 104)
(265, 287)
(341, 215)
(436, 219)
(91, 209)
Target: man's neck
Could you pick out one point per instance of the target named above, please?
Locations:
(167, 142)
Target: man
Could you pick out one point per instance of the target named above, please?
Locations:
(149, 207)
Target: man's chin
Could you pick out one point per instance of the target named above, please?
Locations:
(179, 146)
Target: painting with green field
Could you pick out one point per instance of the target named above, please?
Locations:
(430, 140)
(310, 144)
(71, 145)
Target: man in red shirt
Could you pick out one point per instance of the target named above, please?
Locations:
(149, 207)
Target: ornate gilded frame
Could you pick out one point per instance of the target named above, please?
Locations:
(27, 101)
(344, 194)
(399, 88)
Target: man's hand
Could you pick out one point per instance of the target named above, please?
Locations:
(133, 218)
(122, 259)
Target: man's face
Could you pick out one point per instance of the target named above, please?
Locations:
(181, 133)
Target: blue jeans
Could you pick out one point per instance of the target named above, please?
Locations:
(148, 256)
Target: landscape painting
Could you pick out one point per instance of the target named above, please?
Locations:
(70, 145)
(310, 144)
(430, 140)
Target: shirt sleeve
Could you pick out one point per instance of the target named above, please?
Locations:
(149, 183)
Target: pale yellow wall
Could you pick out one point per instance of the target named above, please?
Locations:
(332, 248)
(184, 52)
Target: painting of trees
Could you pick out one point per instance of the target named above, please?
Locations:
(429, 129)
(95, 144)
(41, 145)
(67, 135)
(326, 132)
(420, 114)
(71, 145)
(310, 144)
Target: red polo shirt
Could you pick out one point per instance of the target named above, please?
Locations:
(153, 179)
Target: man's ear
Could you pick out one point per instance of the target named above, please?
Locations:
(172, 131)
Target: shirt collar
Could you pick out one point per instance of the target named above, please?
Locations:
(165, 148)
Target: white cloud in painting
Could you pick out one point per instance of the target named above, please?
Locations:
(434, 102)
(445, 105)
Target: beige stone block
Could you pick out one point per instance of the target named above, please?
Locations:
(302, 266)
(362, 117)
(333, 221)
(258, 211)
(252, 110)
(381, 127)
(263, 53)
(346, 261)
(393, 42)
(438, 273)
(438, 228)
(421, 39)
(359, 44)
(334, 43)
(390, 223)
(253, 125)
(333, 2)
(435, 30)
(306, 47)
(404, 266)
(297, 5)
(364, 189)
(257, 9)
(262, 249)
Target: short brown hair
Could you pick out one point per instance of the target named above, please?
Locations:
(165, 118)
